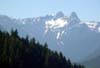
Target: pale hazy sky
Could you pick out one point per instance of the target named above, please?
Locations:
(85, 9)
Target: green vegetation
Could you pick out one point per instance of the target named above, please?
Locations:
(17, 52)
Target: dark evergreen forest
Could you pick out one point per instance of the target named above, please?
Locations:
(18, 52)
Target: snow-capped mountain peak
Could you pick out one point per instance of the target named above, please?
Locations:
(56, 24)
(58, 29)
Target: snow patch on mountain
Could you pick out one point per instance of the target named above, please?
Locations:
(23, 22)
(55, 24)
(99, 29)
(91, 25)
(59, 30)
(58, 35)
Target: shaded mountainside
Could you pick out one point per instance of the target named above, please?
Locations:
(62, 33)
(1, 28)
(17, 52)
(93, 60)
(92, 63)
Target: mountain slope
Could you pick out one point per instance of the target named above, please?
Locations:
(92, 63)
(17, 52)
(62, 33)
(1, 28)
(93, 60)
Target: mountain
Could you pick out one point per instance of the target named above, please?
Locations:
(1, 28)
(59, 15)
(18, 52)
(73, 19)
(92, 63)
(93, 60)
(76, 39)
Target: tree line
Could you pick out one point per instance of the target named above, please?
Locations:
(18, 52)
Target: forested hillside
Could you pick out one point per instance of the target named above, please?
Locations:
(17, 52)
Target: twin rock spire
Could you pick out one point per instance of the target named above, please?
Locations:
(73, 18)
